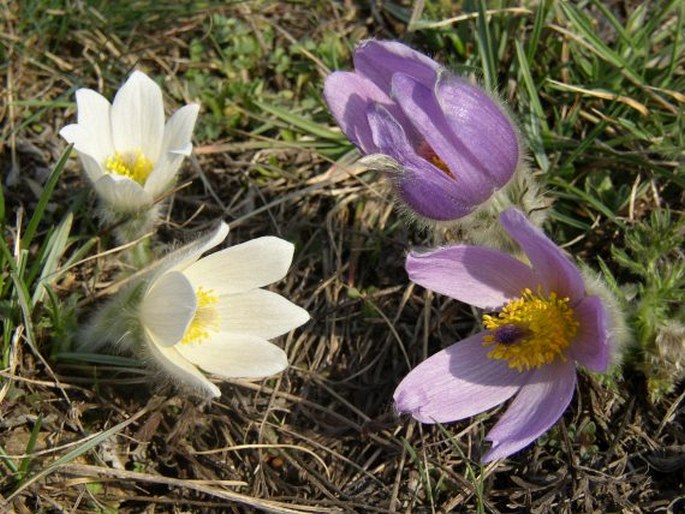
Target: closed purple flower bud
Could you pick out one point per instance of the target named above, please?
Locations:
(451, 144)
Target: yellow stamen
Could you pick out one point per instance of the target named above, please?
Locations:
(531, 331)
(426, 151)
(206, 317)
(132, 165)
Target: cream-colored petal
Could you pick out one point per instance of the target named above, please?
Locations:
(246, 266)
(259, 313)
(92, 168)
(71, 133)
(179, 370)
(122, 193)
(168, 307)
(92, 134)
(164, 173)
(235, 355)
(94, 118)
(138, 117)
(176, 146)
(89, 148)
(179, 130)
(188, 254)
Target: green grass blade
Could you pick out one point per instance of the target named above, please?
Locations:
(88, 445)
(2, 206)
(55, 249)
(22, 294)
(568, 220)
(99, 358)
(30, 446)
(538, 24)
(476, 479)
(485, 45)
(7, 461)
(677, 42)
(44, 198)
(595, 43)
(587, 198)
(528, 81)
(304, 124)
(536, 118)
(617, 25)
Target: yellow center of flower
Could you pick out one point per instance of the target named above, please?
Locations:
(426, 151)
(531, 331)
(206, 317)
(133, 165)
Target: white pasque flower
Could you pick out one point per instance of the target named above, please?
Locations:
(211, 313)
(127, 151)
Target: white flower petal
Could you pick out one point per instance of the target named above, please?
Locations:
(71, 133)
(168, 308)
(92, 168)
(138, 116)
(121, 193)
(259, 313)
(179, 129)
(184, 150)
(179, 370)
(233, 356)
(176, 145)
(185, 256)
(92, 134)
(94, 118)
(246, 266)
(163, 174)
(88, 148)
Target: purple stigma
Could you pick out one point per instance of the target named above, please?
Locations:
(509, 334)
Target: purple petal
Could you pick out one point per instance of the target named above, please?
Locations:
(591, 344)
(348, 96)
(537, 406)
(556, 271)
(420, 105)
(481, 125)
(456, 383)
(379, 60)
(423, 187)
(475, 275)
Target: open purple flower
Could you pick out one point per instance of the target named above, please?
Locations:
(546, 321)
(452, 143)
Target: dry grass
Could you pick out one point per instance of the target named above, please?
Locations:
(321, 437)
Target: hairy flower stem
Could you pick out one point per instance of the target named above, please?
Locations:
(114, 323)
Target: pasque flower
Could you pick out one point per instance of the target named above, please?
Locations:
(209, 313)
(214, 314)
(447, 143)
(544, 322)
(126, 149)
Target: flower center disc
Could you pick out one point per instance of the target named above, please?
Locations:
(531, 331)
(206, 317)
(133, 165)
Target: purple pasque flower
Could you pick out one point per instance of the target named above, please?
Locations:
(453, 143)
(545, 322)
